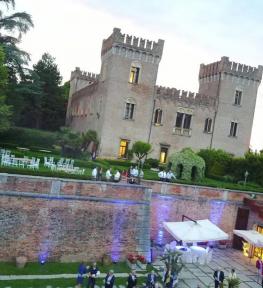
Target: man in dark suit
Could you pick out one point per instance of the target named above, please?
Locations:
(151, 280)
(109, 279)
(93, 272)
(132, 280)
(219, 278)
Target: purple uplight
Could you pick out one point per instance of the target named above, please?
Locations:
(118, 222)
(216, 212)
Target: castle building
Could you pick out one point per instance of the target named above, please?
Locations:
(124, 104)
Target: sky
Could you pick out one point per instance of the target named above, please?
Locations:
(195, 32)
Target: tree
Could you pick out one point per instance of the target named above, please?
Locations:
(173, 262)
(141, 150)
(69, 141)
(87, 138)
(11, 29)
(5, 110)
(53, 107)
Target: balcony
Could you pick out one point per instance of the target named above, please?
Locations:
(182, 131)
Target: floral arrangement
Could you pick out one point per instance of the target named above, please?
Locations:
(132, 258)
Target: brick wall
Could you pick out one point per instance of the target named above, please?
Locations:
(74, 220)
(71, 220)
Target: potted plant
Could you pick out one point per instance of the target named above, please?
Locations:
(131, 261)
(141, 262)
(233, 282)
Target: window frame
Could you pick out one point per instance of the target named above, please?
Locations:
(158, 115)
(121, 147)
(134, 74)
(233, 129)
(208, 124)
(238, 97)
(129, 110)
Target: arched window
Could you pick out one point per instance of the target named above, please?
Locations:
(158, 116)
(208, 125)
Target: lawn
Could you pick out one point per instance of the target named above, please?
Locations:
(50, 268)
(88, 165)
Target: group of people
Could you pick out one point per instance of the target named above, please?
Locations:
(219, 278)
(166, 176)
(131, 174)
(97, 174)
(91, 273)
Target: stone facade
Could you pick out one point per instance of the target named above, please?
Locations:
(65, 219)
(219, 116)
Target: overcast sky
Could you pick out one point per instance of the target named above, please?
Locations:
(195, 31)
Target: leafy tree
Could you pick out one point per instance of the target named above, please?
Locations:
(5, 110)
(141, 150)
(87, 138)
(12, 27)
(53, 106)
(69, 141)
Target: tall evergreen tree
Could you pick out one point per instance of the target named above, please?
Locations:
(53, 106)
(5, 110)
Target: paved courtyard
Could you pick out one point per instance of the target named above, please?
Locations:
(225, 259)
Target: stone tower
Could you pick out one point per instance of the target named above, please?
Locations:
(128, 71)
(234, 86)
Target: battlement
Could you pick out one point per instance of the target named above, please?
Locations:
(133, 42)
(186, 96)
(230, 67)
(83, 75)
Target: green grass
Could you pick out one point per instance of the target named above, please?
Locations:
(88, 165)
(7, 268)
(34, 268)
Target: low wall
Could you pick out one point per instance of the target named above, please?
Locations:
(72, 220)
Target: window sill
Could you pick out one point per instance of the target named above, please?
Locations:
(230, 136)
(133, 83)
(157, 125)
(182, 132)
(207, 132)
(237, 105)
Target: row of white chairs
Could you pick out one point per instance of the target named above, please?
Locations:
(11, 160)
(65, 165)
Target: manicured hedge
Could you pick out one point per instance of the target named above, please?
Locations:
(25, 137)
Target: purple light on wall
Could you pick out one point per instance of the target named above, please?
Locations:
(118, 221)
(162, 214)
(216, 211)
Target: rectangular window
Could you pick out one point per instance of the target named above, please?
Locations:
(238, 96)
(129, 110)
(163, 154)
(123, 149)
(233, 129)
(134, 75)
(183, 120)
(179, 120)
(187, 121)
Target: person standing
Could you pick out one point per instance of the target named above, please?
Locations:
(108, 175)
(219, 278)
(82, 270)
(93, 272)
(94, 174)
(151, 280)
(232, 275)
(132, 279)
(109, 279)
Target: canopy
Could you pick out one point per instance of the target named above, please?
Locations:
(189, 231)
(251, 236)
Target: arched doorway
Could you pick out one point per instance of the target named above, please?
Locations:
(179, 171)
(194, 173)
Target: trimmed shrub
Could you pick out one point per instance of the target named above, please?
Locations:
(153, 163)
(25, 137)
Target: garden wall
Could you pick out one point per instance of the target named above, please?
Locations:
(72, 220)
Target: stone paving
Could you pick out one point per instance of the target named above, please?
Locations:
(194, 274)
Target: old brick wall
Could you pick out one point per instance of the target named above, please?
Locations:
(72, 220)
(82, 220)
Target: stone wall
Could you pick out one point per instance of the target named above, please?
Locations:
(72, 220)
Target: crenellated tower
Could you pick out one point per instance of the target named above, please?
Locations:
(234, 87)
